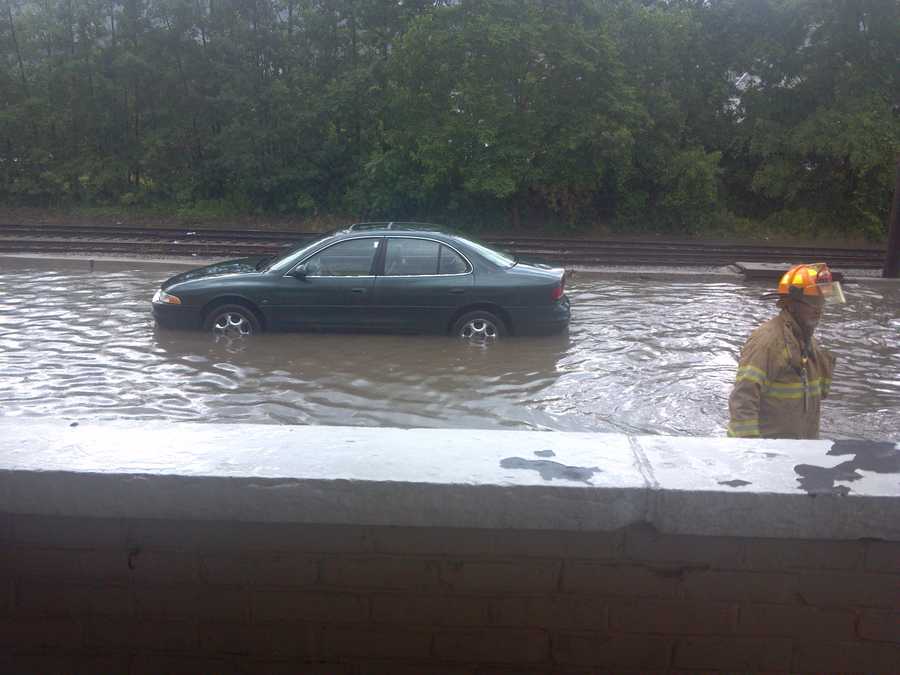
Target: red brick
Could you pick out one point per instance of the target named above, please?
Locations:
(45, 563)
(792, 554)
(7, 595)
(183, 664)
(424, 668)
(138, 633)
(31, 663)
(346, 642)
(850, 590)
(308, 606)
(269, 641)
(420, 610)
(43, 599)
(233, 537)
(551, 670)
(797, 621)
(672, 617)
(846, 657)
(766, 587)
(880, 626)
(458, 542)
(432, 541)
(67, 662)
(883, 556)
(728, 653)
(522, 575)
(619, 651)
(190, 535)
(107, 565)
(558, 544)
(555, 611)
(186, 601)
(62, 532)
(381, 572)
(7, 552)
(620, 580)
(171, 567)
(25, 633)
(497, 645)
(644, 544)
(263, 569)
(91, 664)
(301, 666)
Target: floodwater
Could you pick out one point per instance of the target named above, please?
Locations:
(644, 354)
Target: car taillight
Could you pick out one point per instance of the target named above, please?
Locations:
(560, 288)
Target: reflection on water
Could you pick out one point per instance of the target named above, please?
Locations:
(643, 355)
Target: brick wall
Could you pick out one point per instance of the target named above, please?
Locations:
(155, 596)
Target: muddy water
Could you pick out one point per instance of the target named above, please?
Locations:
(643, 355)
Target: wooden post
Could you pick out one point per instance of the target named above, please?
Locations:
(892, 258)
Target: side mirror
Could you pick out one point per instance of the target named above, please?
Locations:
(299, 271)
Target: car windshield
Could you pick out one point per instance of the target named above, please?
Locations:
(270, 262)
(499, 258)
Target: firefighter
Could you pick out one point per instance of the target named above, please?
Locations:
(784, 374)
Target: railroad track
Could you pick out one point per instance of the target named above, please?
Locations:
(235, 243)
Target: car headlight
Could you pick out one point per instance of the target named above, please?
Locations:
(163, 298)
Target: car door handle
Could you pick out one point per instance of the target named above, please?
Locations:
(357, 290)
(457, 291)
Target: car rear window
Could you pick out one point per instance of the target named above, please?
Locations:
(499, 258)
(451, 262)
(411, 257)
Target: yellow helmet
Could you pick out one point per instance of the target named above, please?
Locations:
(808, 281)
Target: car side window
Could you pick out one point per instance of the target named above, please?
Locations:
(411, 257)
(351, 258)
(451, 262)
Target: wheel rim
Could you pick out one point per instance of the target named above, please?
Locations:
(479, 330)
(232, 324)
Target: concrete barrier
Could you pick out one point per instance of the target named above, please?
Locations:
(166, 547)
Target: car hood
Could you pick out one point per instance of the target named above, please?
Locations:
(240, 266)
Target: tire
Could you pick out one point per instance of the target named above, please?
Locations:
(479, 326)
(232, 321)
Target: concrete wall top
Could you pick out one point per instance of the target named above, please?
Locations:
(451, 478)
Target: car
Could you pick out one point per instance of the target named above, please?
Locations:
(379, 277)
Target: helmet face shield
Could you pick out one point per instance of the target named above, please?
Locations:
(811, 284)
(831, 292)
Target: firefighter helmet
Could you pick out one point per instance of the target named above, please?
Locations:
(809, 282)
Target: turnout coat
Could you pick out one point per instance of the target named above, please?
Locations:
(781, 381)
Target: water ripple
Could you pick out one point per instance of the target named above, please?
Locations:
(643, 355)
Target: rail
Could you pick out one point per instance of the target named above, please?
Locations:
(210, 243)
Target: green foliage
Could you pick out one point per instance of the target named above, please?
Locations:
(528, 112)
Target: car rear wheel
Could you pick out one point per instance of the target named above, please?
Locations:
(479, 326)
(232, 321)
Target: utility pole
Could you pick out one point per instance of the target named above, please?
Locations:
(892, 259)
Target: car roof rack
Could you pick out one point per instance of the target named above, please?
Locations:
(399, 225)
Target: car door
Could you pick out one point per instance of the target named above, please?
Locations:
(332, 289)
(421, 285)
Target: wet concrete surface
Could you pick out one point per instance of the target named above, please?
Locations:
(648, 354)
(867, 457)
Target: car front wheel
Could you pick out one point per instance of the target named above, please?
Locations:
(479, 326)
(232, 321)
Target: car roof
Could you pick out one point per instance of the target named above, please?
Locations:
(399, 226)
